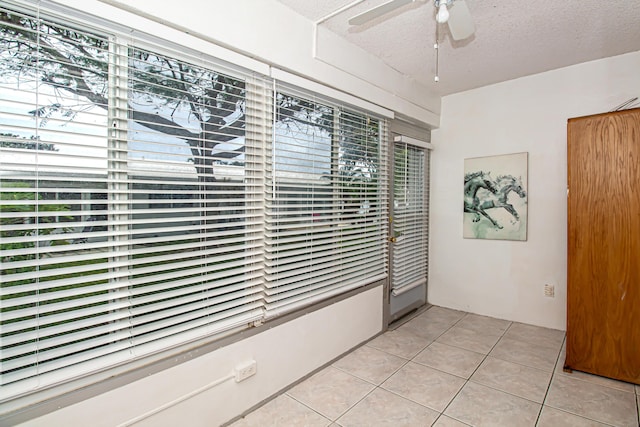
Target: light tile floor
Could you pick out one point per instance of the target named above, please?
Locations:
(453, 369)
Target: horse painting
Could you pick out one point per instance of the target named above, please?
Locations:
(505, 184)
(472, 183)
(496, 197)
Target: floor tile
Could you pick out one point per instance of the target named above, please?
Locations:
(417, 378)
(536, 335)
(551, 417)
(370, 364)
(469, 340)
(383, 408)
(453, 360)
(445, 421)
(331, 392)
(443, 315)
(596, 379)
(484, 324)
(424, 385)
(589, 400)
(283, 411)
(520, 380)
(399, 343)
(524, 353)
(425, 328)
(479, 405)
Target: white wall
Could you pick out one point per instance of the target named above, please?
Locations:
(283, 354)
(500, 278)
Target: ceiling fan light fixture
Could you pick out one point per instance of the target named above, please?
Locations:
(443, 13)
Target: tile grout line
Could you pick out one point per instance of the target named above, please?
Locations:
(553, 375)
(308, 407)
(474, 371)
(441, 414)
(467, 380)
(637, 408)
(375, 386)
(542, 405)
(407, 361)
(552, 371)
(506, 392)
(586, 380)
(411, 400)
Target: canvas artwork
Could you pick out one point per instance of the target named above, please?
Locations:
(495, 197)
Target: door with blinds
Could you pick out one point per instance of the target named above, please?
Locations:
(409, 228)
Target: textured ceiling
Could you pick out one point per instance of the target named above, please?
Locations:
(513, 38)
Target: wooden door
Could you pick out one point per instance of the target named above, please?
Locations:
(603, 284)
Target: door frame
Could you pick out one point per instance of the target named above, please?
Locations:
(402, 132)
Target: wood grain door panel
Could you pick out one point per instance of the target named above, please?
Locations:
(603, 283)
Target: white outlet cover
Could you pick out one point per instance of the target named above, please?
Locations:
(549, 290)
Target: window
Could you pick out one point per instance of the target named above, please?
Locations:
(326, 220)
(151, 198)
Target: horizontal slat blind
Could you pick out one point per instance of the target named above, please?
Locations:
(410, 215)
(61, 299)
(325, 220)
(131, 200)
(190, 205)
(151, 197)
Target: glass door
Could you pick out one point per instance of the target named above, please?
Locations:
(409, 226)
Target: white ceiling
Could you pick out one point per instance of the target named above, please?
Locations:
(513, 38)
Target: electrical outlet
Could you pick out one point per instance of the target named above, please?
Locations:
(245, 370)
(549, 291)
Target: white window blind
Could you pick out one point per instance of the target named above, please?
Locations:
(326, 219)
(131, 200)
(152, 196)
(410, 217)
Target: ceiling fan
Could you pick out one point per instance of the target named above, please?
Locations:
(453, 12)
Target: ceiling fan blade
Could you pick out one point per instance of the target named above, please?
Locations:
(377, 11)
(460, 20)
